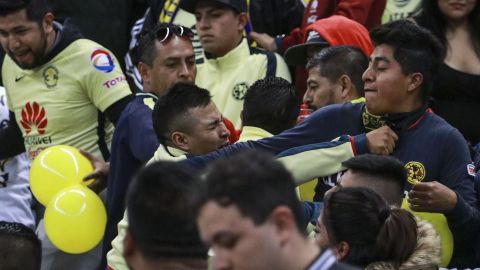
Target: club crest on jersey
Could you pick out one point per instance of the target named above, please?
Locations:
(50, 76)
(239, 90)
(415, 172)
(102, 60)
(34, 117)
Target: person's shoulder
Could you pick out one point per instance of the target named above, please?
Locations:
(438, 125)
(87, 46)
(341, 108)
(141, 104)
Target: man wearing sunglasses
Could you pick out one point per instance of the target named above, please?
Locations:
(229, 65)
(166, 57)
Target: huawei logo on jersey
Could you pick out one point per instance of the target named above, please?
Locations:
(33, 116)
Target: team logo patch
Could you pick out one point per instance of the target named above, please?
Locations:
(471, 169)
(415, 172)
(401, 3)
(50, 76)
(239, 90)
(33, 117)
(102, 60)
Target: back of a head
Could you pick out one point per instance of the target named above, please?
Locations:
(20, 248)
(385, 175)
(171, 110)
(35, 9)
(341, 60)
(253, 182)
(271, 104)
(160, 216)
(379, 233)
(415, 48)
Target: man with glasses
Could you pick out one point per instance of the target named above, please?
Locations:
(166, 57)
(229, 66)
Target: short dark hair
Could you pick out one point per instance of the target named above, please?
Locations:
(160, 212)
(341, 60)
(170, 111)
(255, 183)
(36, 9)
(379, 233)
(415, 48)
(20, 247)
(146, 51)
(271, 104)
(386, 175)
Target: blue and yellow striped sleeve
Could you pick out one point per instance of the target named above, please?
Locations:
(310, 161)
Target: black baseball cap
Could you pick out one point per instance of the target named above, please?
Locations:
(238, 5)
(297, 55)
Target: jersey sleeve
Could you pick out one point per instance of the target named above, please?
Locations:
(314, 129)
(103, 80)
(318, 160)
(115, 259)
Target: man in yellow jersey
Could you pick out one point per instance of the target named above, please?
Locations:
(61, 89)
(229, 65)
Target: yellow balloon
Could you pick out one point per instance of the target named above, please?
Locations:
(56, 168)
(75, 220)
(440, 224)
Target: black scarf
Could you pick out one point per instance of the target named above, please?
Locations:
(398, 122)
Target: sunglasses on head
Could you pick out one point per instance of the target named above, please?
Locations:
(165, 32)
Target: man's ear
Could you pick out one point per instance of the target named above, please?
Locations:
(47, 22)
(144, 71)
(242, 21)
(347, 87)
(415, 81)
(128, 245)
(180, 140)
(284, 221)
(342, 250)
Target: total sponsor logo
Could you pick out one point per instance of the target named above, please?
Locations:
(34, 118)
(113, 82)
(102, 60)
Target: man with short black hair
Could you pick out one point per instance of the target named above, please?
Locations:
(270, 105)
(229, 66)
(161, 232)
(185, 121)
(247, 229)
(397, 83)
(20, 248)
(383, 174)
(166, 57)
(335, 76)
(332, 31)
(62, 89)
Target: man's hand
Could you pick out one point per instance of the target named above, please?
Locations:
(100, 173)
(381, 141)
(264, 40)
(432, 197)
